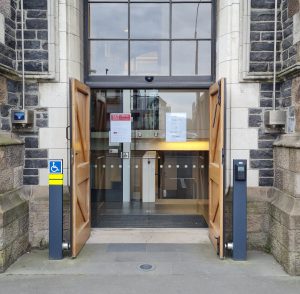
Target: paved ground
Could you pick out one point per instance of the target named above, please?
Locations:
(178, 268)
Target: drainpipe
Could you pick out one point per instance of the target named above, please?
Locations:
(22, 44)
(275, 55)
(275, 119)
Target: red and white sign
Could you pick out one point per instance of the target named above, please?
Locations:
(120, 117)
(120, 128)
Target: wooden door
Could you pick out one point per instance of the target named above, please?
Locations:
(80, 145)
(216, 165)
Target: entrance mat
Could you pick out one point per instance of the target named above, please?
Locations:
(149, 221)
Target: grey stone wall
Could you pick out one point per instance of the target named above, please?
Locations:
(35, 35)
(258, 218)
(14, 218)
(35, 157)
(8, 49)
(262, 36)
(285, 208)
(262, 158)
(38, 199)
(261, 61)
(289, 49)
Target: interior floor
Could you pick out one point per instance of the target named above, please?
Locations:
(138, 214)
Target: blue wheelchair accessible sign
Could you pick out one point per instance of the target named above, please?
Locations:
(55, 166)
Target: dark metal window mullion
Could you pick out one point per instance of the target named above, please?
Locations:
(170, 37)
(129, 39)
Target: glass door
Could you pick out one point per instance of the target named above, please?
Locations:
(150, 173)
(106, 161)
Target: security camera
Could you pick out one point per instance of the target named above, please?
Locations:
(149, 79)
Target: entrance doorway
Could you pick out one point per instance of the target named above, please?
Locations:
(151, 181)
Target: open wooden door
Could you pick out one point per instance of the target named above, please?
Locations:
(216, 165)
(80, 145)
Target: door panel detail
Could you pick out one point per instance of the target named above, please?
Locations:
(81, 203)
(216, 168)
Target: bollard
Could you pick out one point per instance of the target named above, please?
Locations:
(239, 210)
(55, 209)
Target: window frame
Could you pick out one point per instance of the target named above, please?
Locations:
(132, 82)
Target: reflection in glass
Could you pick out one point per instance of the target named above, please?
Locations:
(204, 58)
(149, 20)
(195, 106)
(149, 58)
(109, 58)
(108, 20)
(183, 58)
(190, 20)
(149, 108)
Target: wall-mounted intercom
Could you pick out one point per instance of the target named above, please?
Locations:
(22, 120)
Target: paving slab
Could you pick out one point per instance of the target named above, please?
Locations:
(176, 268)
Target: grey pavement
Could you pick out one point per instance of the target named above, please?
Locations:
(177, 268)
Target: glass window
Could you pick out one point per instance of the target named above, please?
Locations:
(149, 20)
(149, 58)
(157, 37)
(109, 20)
(191, 20)
(204, 58)
(183, 58)
(109, 58)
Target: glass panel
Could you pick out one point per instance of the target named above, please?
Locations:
(191, 20)
(183, 175)
(149, 58)
(145, 110)
(106, 166)
(149, 108)
(107, 1)
(149, 20)
(109, 58)
(183, 58)
(204, 58)
(109, 20)
(195, 106)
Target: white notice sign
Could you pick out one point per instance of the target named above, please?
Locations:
(176, 127)
(120, 128)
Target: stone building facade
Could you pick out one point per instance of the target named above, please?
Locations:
(54, 53)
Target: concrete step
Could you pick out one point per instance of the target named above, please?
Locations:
(149, 235)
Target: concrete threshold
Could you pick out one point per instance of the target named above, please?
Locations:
(149, 235)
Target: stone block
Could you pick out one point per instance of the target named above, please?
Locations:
(11, 155)
(258, 241)
(293, 7)
(281, 157)
(35, 4)
(3, 90)
(294, 160)
(31, 142)
(13, 227)
(6, 180)
(257, 223)
(18, 177)
(289, 260)
(12, 252)
(285, 209)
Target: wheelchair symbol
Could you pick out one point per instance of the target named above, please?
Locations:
(55, 167)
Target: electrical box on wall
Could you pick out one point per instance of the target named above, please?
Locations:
(275, 119)
(22, 120)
